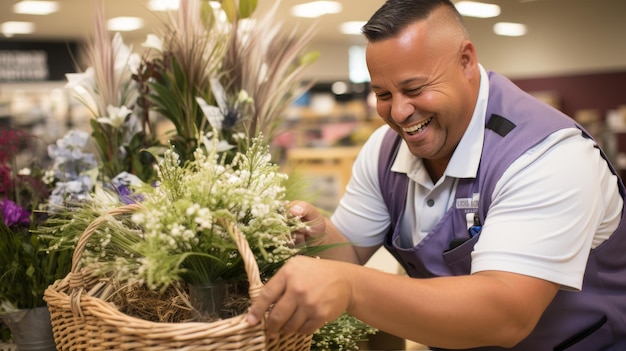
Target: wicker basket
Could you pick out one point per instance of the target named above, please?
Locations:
(81, 320)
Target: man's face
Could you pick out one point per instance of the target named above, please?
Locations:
(424, 89)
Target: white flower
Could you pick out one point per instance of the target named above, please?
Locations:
(220, 146)
(105, 199)
(212, 113)
(83, 85)
(24, 171)
(126, 179)
(153, 42)
(218, 93)
(48, 177)
(243, 97)
(85, 79)
(124, 58)
(239, 136)
(117, 116)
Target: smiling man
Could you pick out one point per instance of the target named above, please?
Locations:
(504, 212)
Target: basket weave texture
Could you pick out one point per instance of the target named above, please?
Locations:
(81, 320)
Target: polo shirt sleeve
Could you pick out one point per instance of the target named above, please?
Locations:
(548, 209)
(362, 215)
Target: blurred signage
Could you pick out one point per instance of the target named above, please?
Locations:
(31, 61)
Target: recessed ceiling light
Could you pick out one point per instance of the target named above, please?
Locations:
(13, 27)
(31, 7)
(339, 88)
(124, 24)
(509, 29)
(316, 9)
(352, 27)
(164, 5)
(477, 9)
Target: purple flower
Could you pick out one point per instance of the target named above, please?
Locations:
(14, 214)
(125, 184)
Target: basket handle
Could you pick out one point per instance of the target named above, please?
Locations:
(77, 279)
(91, 229)
(250, 264)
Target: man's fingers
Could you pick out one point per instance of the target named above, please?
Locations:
(282, 312)
(270, 293)
(297, 304)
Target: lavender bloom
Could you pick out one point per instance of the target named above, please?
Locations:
(125, 184)
(14, 214)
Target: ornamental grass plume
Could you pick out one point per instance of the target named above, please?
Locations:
(179, 68)
(267, 63)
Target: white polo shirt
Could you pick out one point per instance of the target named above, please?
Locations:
(553, 204)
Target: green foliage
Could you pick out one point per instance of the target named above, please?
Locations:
(247, 8)
(343, 334)
(173, 97)
(28, 268)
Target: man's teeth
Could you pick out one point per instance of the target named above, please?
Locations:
(418, 127)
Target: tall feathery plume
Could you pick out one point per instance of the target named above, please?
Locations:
(102, 58)
(110, 60)
(193, 49)
(267, 64)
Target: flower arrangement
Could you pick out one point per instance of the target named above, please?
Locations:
(184, 221)
(222, 83)
(221, 86)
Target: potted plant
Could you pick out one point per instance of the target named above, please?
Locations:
(27, 268)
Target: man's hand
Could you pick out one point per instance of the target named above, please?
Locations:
(312, 217)
(306, 293)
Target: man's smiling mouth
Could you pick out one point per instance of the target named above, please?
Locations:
(417, 128)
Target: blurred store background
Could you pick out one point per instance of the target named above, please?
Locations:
(570, 53)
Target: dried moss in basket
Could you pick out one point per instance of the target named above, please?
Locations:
(174, 305)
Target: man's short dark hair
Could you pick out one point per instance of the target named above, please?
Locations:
(395, 15)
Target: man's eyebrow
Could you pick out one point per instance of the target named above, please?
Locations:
(407, 81)
(420, 80)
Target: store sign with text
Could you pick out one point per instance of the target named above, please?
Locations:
(36, 61)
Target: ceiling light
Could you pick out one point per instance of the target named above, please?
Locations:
(477, 9)
(30, 7)
(13, 27)
(316, 9)
(339, 88)
(164, 5)
(352, 27)
(509, 29)
(124, 24)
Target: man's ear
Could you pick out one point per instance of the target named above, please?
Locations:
(469, 60)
